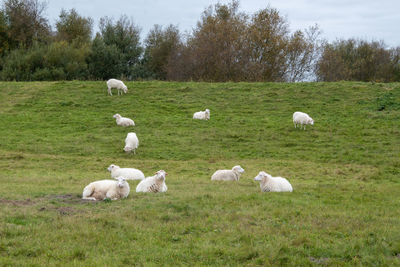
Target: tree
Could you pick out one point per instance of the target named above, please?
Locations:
(160, 44)
(216, 44)
(301, 53)
(119, 41)
(72, 27)
(268, 40)
(105, 61)
(26, 23)
(357, 60)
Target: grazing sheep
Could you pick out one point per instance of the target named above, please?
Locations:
(127, 173)
(119, 85)
(121, 121)
(153, 184)
(202, 115)
(301, 118)
(228, 175)
(131, 143)
(103, 189)
(273, 184)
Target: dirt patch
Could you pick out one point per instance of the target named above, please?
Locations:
(70, 198)
(25, 202)
(319, 260)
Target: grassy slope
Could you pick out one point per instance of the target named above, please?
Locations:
(58, 136)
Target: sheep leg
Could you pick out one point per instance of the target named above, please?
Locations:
(89, 198)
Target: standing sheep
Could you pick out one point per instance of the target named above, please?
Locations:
(131, 143)
(153, 184)
(273, 184)
(228, 175)
(202, 115)
(103, 189)
(127, 173)
(301, 118)
(121, 121)
(119, 85)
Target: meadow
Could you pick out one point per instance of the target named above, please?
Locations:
(56, 137)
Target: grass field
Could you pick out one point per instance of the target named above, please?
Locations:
(56, 137)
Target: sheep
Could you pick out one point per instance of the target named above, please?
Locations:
(103, 189)
(153, 184)
(121, 121)
(119, 85)
(127, 173)
(228, 175)
(301, 118)
(273, 184)
(131, 143)
(202, 115)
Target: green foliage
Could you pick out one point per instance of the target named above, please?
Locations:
(57, 61)
(72, 27)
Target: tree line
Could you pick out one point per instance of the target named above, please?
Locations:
(225, 45)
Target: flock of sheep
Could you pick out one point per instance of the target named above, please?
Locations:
(119, 188)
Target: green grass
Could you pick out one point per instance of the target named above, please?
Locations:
(56, 137)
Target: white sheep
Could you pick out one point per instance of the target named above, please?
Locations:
(121, 121)
(273, 184)
(103, 189)
(202, 115)
(301, 118)
(228, 175)
(131, 143)
(119, 85)
(153, 184)
(127, 173)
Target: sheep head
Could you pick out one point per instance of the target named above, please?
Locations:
(117, 116)
(121, 181)
(311, 121)
(207, 111)
(112, 167)
(238, 169)
(261, 175)
(125, 89)
(160, 175)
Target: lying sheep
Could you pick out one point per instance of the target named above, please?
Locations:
(121, 121)
(103, 189)
(273, 184)
(131, 143)
(119, 85)
(202, 115)
(127, 173)
(228, 175)
(153, 184)
(301, 118)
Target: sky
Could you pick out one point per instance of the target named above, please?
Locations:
(370, 20)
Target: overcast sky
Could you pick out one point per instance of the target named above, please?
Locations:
(338, 19)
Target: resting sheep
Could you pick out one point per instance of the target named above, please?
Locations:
(121, 121)
(119, 85)
(103, 189)
(153, 184)
(127, 173)
(202, 115)
(301, 118)
(228, 175)
(131, 143)
(273, 184)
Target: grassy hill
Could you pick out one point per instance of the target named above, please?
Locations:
(56, 137)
